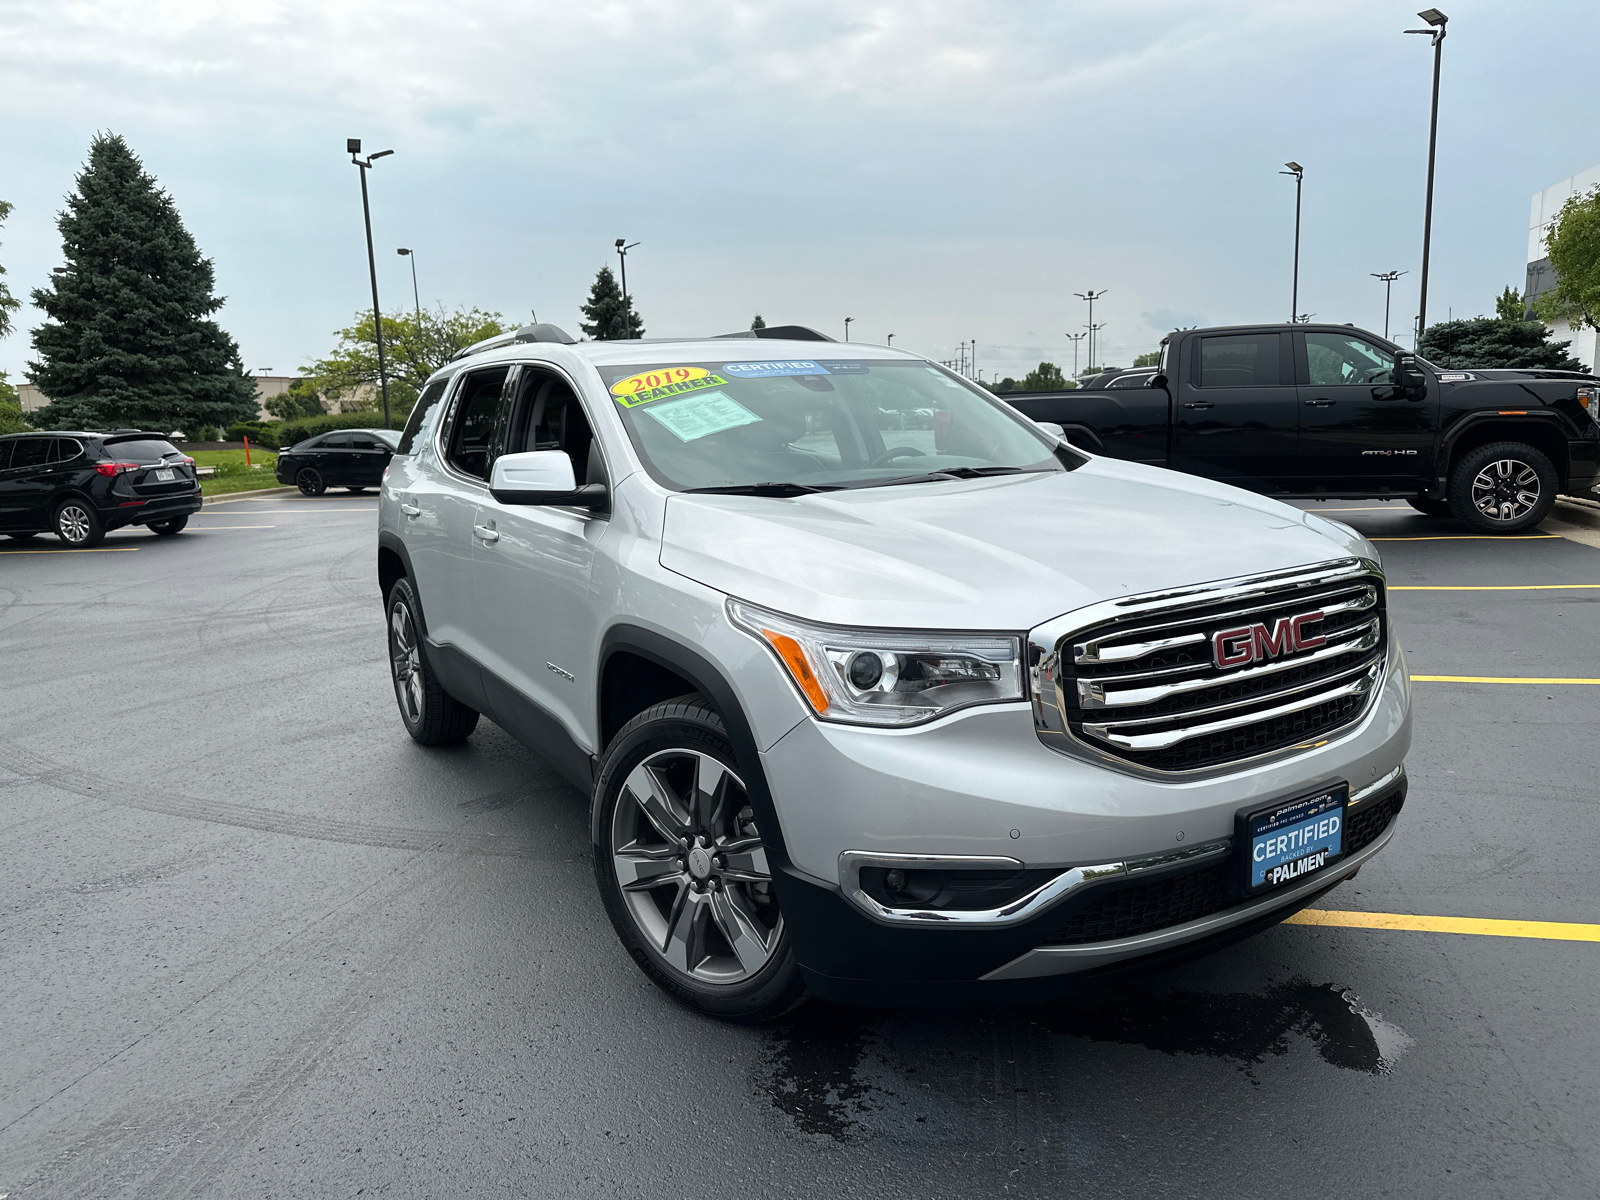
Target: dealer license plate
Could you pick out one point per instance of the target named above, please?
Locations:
(164, 475)
(1289, 841)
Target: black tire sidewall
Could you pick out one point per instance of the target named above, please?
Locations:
(685, 723)
(402, 593)
(97, 531)
(309, 480)
(170, 526)
(444, 720)
(1473, 461)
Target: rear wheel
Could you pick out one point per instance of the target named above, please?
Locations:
(683, 871)
(77, 524)
(170, 526)
(1430, 508)
(309, 480)
(1504, 487)
(431, 715)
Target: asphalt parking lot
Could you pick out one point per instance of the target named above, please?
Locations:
(257, 943)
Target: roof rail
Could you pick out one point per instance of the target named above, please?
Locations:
(787, 333)
(543, 331)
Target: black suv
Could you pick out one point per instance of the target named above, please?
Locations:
(80, 485)
(354, 459)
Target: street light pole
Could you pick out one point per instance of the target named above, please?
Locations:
(416, 297)
(1093, 329)
(1436, 21)
(1388, 278)
(623, 246)
(1299, 174)
(353, 148)
(1076, 338)
(847, 321)
(890, 342)
(1091, 296)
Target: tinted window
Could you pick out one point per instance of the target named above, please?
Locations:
(66, 450)
(5, 455)
(1130, 381)
(335, 441)
(364, 441)
(142, 450)
(425, 404)
(31, 452)
(1338, 358)
(474, 422)
(1246, 360)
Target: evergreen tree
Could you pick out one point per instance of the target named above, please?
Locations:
(128, 339)
(8, 303)
(1490, 342)
(609, 317)
(758, 323)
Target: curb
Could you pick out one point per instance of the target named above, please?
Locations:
(230, 497)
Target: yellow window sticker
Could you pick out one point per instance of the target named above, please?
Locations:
(661, 383)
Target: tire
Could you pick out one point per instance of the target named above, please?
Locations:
(77, 524)
(1430, 508)
(22, 537)
(170, 526)
(708, 931)
(309, 480)
(431, 715)
(1504, 487)
(355, 491)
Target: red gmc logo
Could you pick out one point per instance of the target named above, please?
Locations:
(1253, 643)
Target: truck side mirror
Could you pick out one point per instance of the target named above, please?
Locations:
(1157, 381)
(1408, 374)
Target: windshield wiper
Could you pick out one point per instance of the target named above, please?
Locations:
(787, 488)
(942, 475)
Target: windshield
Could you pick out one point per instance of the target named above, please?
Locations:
(818, 423)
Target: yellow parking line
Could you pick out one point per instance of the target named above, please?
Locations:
(1497, 679)
(68, 550)
(235, 526)
(1560, 931)
(1508, 587)
(1475, 537)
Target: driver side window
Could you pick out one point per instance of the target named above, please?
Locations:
(475, 414)
(1339, 359)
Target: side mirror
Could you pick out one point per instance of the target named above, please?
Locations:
(1052, 429)
(1157, 381)
(1408, 374)
(542, 477)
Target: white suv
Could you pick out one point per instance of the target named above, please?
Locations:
(882, 692)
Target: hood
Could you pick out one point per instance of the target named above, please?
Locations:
(1004, 553)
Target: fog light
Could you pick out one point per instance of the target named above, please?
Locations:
(865, 672)
(894, 880)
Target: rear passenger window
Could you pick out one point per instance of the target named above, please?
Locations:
(5, 455)
(1245, 360)
(31, 452)
(66, 450)
(430, 397)
(475, 414)
(335, 441)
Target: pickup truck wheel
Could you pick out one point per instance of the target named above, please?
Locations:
(432, 716)
(683, 871)
(1430, 508)
(1504, 487)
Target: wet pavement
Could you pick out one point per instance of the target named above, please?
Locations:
(254, 942)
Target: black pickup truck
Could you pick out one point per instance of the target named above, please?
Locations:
(1330, 411)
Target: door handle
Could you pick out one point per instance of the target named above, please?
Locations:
(1320, 403)
(410, 510)
(486, 532)
(1199, 404)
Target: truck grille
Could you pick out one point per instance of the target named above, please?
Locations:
(1184, 687)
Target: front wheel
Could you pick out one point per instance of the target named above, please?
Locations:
(1504, 487)
(309, 480)
(431, 715)
(170, 526)
(77, 524)
(683, 870)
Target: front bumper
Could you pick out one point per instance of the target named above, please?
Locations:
(1583, 473)
(980, 785)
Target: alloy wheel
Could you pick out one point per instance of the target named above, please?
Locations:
(692, 868)
(73, 524)
(1505, 489)
(406, 662)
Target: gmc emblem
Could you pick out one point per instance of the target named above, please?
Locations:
(1253, 643)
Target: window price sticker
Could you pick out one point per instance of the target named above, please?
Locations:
(700, 416)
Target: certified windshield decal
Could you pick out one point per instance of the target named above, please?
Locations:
(700, 416)
(845, 368)
(768, 370)
(661, 383)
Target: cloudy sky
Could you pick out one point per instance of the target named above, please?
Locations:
(941, 171)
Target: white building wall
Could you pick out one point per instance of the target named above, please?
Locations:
(1542, 212)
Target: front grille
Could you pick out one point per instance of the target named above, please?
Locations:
(1119, 910)
(1149, 690)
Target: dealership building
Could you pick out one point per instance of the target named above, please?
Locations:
(1541, 279)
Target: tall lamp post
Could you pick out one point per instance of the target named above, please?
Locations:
(1076, 338)
(890, 342)
(1091, 296)
(416, 297)
(1436, 21)
(353, 148)
(1388, 278)
(847, 321)
(623, 246)
(1299, 174)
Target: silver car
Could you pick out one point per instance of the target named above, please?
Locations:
(881, 693)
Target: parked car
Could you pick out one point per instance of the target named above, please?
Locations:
(884, 711)
(1331, 411)
(80, 485)
(354, 459)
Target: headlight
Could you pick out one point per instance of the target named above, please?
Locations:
(1590, 399)
(886, 677)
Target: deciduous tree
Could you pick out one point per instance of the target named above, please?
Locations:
(413, 349)
(9, 303)
(128, 338)
(1046, 377)
(1573, 244)
(297, 401)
